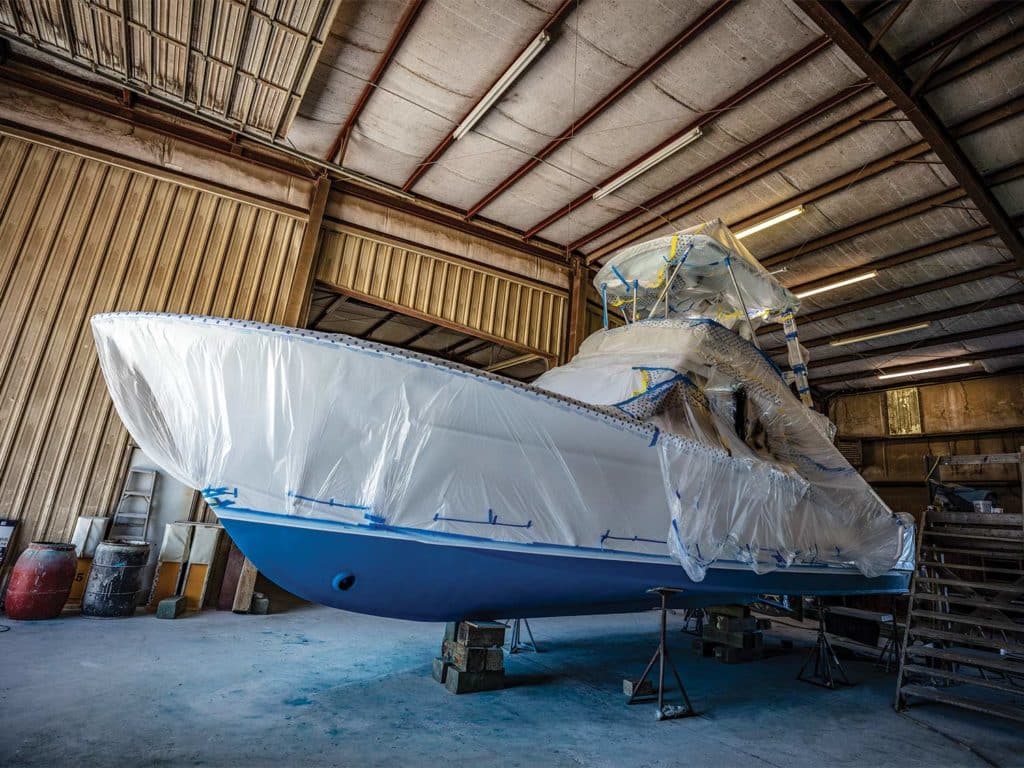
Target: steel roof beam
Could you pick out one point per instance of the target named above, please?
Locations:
(819, 139)
(915, 208)
(672, 47)
(989, 354)
(751, 89)
(842, 26)
(950, 281)
(910, 346)
(1001, 47)
(939, 314)
(337, 151)
(903, 257)
(421, 168)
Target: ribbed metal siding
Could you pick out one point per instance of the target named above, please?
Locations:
(244, 62)
(445, 290)
(79, 236)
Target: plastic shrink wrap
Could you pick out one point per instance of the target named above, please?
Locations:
(631, 447)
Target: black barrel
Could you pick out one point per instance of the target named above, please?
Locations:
(115, 579)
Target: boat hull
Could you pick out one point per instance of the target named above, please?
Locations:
(419, 577)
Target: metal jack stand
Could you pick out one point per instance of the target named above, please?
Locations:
(661, 655)
(515, 643)
(697, 616)
(826, 663)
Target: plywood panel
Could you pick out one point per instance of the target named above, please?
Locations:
(80, 236)
(452, 292)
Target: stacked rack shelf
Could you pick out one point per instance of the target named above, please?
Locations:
(964, 642)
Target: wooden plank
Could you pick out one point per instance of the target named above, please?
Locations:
(965, 567)
(982, 534)
(246, 586)
(983, 458)
(973, 585)
(982, 660)
(232, 573)
(966, 640)
(975, 602)
(974, 621)
(935, 694)
(1011, 553)
(971, 518)
(981, 682)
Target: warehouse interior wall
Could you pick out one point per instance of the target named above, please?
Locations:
(973, 416)
(82, 232)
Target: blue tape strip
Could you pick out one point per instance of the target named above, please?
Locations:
(327, 502)
(654, 438)
(619, 275)
(604, 304)
(492, 519)
(608, 535)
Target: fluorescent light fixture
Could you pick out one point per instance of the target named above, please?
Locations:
(499, 88)
(917, 371)
(878, 334)
(643, 167)
(839, 284)
(784, 216)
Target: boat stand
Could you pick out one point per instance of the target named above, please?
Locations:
(515, 642)
(641, 694)
(826, 663)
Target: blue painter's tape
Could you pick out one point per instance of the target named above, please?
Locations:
(326, 502)
(492, 519)
(604, 304)
(654, 438)
(619, 275)
(375, 520)
(608, 535)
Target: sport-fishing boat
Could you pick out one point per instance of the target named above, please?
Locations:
(668, 452)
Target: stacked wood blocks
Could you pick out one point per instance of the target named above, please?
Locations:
(732, 635)
(471, 657)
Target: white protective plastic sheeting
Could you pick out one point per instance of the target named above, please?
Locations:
(796, 500)
(703, 270)
(287, 422)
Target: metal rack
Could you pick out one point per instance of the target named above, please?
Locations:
(964, 641)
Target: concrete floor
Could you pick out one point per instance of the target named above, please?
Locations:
(313, 686)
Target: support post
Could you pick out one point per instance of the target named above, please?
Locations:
(296, 310)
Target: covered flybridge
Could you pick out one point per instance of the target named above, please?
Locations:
(703, 271)
(380, 480)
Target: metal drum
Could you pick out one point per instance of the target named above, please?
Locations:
(41, 581)
(115, 579)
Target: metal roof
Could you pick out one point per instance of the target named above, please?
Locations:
(899, 126)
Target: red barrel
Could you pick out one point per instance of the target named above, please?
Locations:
(41, 581)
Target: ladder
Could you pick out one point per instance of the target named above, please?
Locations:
(131, 515)
(964, 638)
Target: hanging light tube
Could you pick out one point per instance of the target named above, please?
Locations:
(784, 216)
(499, 88)
(917, 371)
(838, 284)
(878, 334)
(641, 168)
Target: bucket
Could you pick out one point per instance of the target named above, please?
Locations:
(115, 579)
(41, 581)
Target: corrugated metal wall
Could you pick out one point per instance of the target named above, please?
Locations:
(79, 236)
(442, 289)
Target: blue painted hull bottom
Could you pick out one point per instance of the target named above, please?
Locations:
(433, 580)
